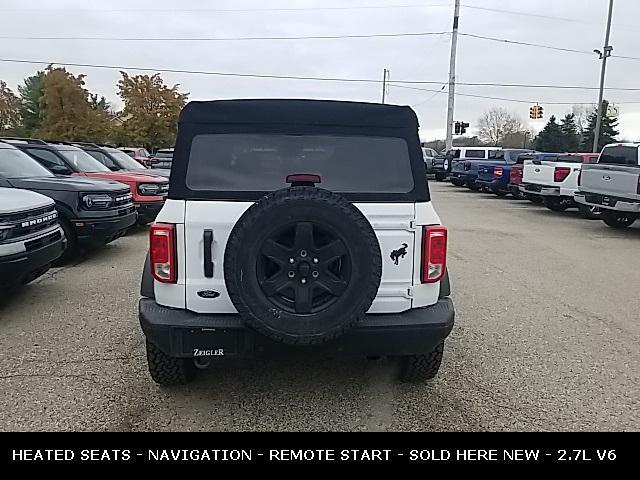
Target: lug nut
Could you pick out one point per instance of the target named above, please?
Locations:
(291, 260)
(315, 260)
(292, 274)
(303, 281)
(303, 253)
(315, 274)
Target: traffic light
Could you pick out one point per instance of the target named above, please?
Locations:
(457, 128)
(463, 127)
(535, 112)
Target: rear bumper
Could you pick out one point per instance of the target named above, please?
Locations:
(185, 334)
(537, 189)
(14, 269)
(94, 232)
(546, 190)
(496, 185)
(609, 202)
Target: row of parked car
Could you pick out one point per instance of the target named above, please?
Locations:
(602, 186)
(59, 198)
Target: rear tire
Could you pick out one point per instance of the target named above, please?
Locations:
(440, 177)
(457, 182)
(590, 213)
(555, 204)
(421, 367)
(166, 370)
(537, 199)
(618, 220)
(501, 193)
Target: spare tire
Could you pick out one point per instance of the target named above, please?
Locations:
(302, 265)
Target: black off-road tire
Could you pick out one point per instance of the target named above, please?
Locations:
(441, 177)
(425, 366)
(618, 220)
(554, 204)
(166, 370)
(457, 182)
(72, 249)
(537, 199)
(277, 211)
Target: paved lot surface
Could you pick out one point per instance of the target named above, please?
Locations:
(547, 338)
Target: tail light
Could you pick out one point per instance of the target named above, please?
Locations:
(434, 254)
(162, 252)
(497, 172)
(560, 173)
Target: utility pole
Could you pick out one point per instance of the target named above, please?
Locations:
(384, 83)
(452, 75)
(603, 56)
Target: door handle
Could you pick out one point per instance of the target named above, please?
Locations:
(208, 262)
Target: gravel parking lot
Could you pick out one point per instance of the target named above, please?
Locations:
(547, 338)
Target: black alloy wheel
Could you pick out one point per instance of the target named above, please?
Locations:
(304, 267)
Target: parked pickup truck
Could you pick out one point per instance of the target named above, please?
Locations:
(494, 174)
(30, 237)
(554, 177)
(613, 185)
(464, 164)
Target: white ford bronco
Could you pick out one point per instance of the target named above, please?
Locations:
(296, 224)
(30, 237)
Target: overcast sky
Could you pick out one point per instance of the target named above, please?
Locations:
(424, 58)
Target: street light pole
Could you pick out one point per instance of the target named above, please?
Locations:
(452, 75)
(603, 56)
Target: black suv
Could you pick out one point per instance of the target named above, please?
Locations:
(91, 212)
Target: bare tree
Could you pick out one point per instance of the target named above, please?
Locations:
(498, 123)
(581, 113)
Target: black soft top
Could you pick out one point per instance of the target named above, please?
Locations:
(295, 117)
(300, 112)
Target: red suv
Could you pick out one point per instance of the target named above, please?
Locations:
(140, 155)
(149, 191)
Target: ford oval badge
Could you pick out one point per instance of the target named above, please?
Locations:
(208, 294)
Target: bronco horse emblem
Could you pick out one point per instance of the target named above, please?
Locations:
(399, 253)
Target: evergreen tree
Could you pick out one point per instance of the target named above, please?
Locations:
(570, 131)
(608, 130)
(551, 138)
(30, 95)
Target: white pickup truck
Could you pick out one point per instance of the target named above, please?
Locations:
(554, 177)
(613, 185)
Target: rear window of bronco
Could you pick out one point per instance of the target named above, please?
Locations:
(261, 162)
(620, 155)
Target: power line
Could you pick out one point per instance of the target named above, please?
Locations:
(516, 100)
(397, 83)
(220, 10)
(224, 39)
(515, 42)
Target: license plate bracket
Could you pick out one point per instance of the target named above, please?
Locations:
(201, 342)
